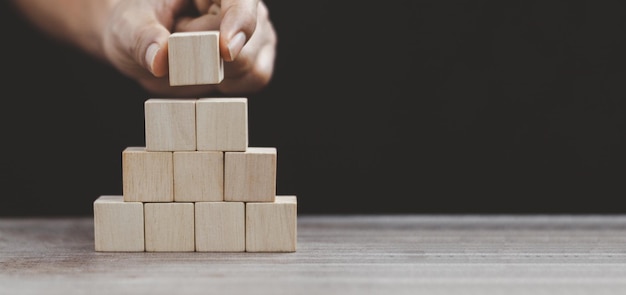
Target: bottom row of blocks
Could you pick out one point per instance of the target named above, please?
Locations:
(201, 226)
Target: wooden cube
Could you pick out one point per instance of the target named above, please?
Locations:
(169, 227)
(220, 227)
(170, 124)
(250, 176)
(198, 176)
(272, 227)
(118, 225)
(194, 58)
(222, 124)
(147, 176)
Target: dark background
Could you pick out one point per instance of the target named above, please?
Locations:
(394, 106)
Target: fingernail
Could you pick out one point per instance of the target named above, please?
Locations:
(150, 55)
(236, 44)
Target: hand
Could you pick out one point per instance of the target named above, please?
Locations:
(135, 42)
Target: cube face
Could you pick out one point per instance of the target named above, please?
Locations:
(250, 176)
(170, 124)
(147, 176)
(118, 225)
(194, 58)
(198, 176)
(220, 227)
(222, 124)
(169, 227)
(272, 227)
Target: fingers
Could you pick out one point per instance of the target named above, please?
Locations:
(152, 49)
(247, 43)
(236, 20)
(239, 19)
(135, 37)
(153, 39)
(253, 80)
(255, 64)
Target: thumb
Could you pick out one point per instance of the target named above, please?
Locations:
(152, 49)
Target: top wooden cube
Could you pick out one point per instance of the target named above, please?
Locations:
(194, 58)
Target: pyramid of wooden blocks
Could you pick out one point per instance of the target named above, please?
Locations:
(196, 185)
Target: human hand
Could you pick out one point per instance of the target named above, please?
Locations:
(136, 33)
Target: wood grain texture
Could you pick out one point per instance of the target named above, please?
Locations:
(222, 124)
(147, 176)
(170, 124)
(272, 227)
(250, 176)
(118, 225)
(220, 227)
(169, 227)
(198, 176)
(194, 58)
(365, 255)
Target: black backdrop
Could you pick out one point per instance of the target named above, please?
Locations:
(416, 106)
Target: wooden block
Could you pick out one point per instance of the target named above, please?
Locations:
(169, 227)
(272, 227)
(147, 176)
(118, 225)
(198, 176)
(222, 124)
(220, 227)
(194, 58)
(250, 176)
(170, 124)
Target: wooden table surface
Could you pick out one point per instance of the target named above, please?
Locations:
(336, 255)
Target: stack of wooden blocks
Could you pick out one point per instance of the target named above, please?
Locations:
(196, 185)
